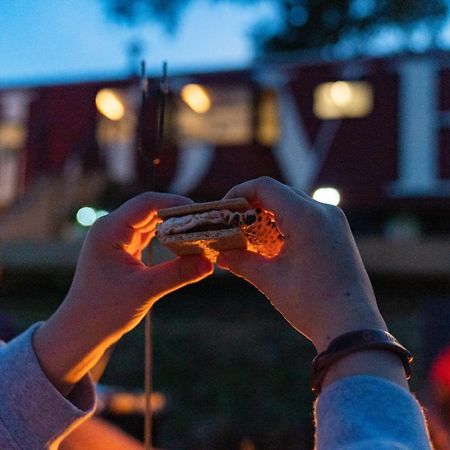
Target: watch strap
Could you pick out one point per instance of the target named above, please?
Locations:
(353, 342)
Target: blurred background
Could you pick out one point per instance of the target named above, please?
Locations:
(348, 100)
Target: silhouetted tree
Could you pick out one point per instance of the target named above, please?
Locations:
(308, 24)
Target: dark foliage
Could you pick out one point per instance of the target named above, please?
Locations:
(305, 24)
(313, 24)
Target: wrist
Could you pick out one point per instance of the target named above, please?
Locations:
(66, 354)
(322, 340)
(374, 362)
(361, 343)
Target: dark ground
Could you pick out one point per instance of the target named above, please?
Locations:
(229, 364)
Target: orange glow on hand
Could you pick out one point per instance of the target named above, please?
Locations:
(144, 222)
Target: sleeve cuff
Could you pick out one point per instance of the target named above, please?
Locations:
(368, 410)
(33, 411)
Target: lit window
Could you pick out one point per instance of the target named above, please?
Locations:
(343, 99)
(196, 97)
(268, 128)
(225, 116)
(13, 133)
(110, 104)
(12, 141)
(116, 131)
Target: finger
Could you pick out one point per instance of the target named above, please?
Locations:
(271, 195)
(138, 211)
(142, 241)
(120, 226)
(264, 191)
(134, 243)
(150, 225)
(172, 275)
(300, 192)
(245, 264)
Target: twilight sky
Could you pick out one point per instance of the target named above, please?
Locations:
(68, 40)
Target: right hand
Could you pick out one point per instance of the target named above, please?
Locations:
(318, 281)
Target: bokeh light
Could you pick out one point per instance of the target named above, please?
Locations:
(86, 216)
(100, 213)
(196, 97)
(327, 195)
(341, 93)
(110, 104)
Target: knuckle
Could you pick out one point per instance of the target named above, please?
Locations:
(319, 215)
(97, 227)
(336, 213)
(333, 217)
(100, 229)
(100, 224)
(265, 181)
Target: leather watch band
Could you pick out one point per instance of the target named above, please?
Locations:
(352, 342)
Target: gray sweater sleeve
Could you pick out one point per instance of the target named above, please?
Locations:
(33, 414)
(369, 413)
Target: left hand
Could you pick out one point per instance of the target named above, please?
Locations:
(112, 289)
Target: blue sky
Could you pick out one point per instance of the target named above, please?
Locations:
(64, 40)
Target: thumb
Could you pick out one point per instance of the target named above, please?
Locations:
(246, 264)
(172, 275)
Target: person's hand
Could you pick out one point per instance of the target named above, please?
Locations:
(318, 281)
(112, 289)
(112, 283)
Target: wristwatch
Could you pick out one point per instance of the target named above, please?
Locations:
(352, 342)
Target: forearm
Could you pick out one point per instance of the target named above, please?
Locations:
(371, 361)
(368, 412)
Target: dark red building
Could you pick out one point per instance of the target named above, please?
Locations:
(375, 130)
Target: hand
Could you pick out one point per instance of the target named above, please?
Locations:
(318, 281)
(112, 289)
